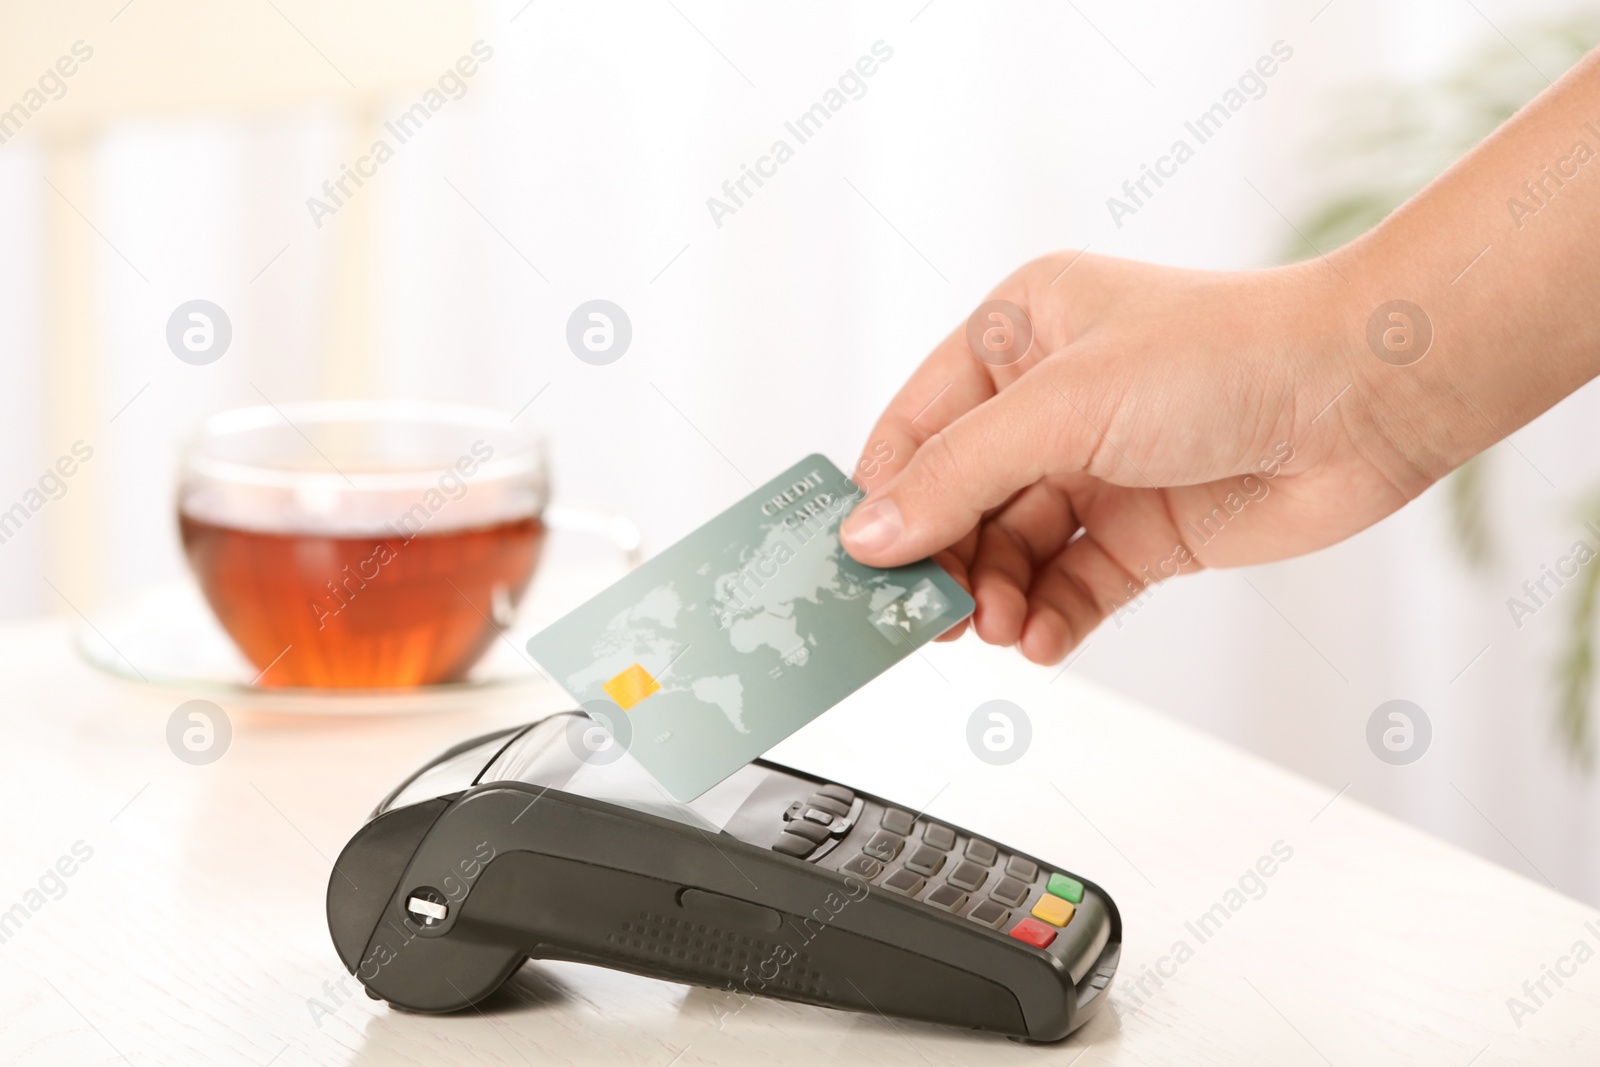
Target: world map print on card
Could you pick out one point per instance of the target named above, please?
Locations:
(745, 630)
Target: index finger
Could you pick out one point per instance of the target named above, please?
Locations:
(949, 383)
(956, 377)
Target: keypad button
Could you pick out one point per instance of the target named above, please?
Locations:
(897, 822)
(1009, 891)
(990, 914)
(1066, 888)
(982, 852)
(884, 846)
(903, 881)
(946, 896)
(926, 860)
(818, 816)
(1024, 870)
(827, 804)
(838, 792)
(967, 875)
(940, 837)
(793, 845)
(1053, 910)
(864, 866)
(1034, 932)
(808, 830)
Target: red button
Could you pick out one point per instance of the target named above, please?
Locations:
(1034, 932)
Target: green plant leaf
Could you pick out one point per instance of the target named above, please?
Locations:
(1467, 496)
(1575, 668)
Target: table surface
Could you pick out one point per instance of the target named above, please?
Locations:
(193, 931)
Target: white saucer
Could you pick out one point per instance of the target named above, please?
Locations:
(167, 637)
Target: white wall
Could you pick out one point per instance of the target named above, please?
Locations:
(591, 141)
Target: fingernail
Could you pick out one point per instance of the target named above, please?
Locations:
(874, 526)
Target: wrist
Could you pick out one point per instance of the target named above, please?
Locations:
(1313, 315)
(1500, 300)
(1418, 402)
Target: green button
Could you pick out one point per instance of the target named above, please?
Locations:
(1066, 888)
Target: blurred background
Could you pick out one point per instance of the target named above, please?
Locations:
(185, 158)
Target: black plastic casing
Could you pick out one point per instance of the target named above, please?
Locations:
(528, 872)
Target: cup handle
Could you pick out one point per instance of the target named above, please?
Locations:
(614, 526)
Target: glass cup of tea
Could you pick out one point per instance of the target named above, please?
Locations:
(368, 544)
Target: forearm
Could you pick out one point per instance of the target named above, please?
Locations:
(1502, 255)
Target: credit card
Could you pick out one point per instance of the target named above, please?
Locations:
(714, 650)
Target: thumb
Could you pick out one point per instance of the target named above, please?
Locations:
(1005, 444)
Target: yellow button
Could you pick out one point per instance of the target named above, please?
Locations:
(1052, 909)
(631, 686)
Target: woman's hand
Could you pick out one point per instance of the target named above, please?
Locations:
(1163, 420)
(1160, 421)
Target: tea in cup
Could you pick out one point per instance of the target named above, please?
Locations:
(368, 544)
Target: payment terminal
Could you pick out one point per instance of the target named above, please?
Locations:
(536, 843)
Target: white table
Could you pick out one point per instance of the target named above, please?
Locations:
(194, 933)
